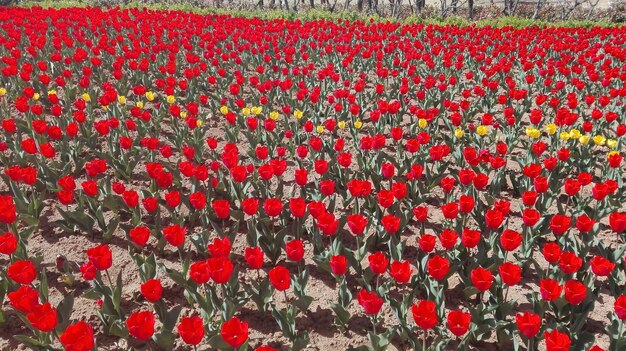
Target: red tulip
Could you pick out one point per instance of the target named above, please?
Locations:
(338, 264)
(22, 271)
(234, 332)
(427, 242)
(220, 247)
(200, 272)
(400, 271)
(191, 330)
(295, 250)
(559, 224)
(385, 198)
(8, 243)
(7, 209)
(510, 273)
(139, 235)
(420, 213)
(438, 267)
(450, 210)
(551, 252)
(327, 223)
(557, 341)
(297, 207)
(78, 337)
(530, 217)
(357, 223)
(528, 324)
(585, 224)
(140, 325)
(152, 290)
(24, 299)
(370, 301)
(273, 207)
(220, 269)
(88, 271)
(378, 262)
(101, 257)
(448, 238)
(391, 223)
(425, 314)
(221, 208)
(569, 263)
(620, 307)
(458, 322)
(575, 292)
(494, 218)
(510, 240)
(280, 278)
(250, 206)
(481, 278)
(254, 257)
(175, 234)
(617, 221)
(470, 238)
(43, 317)
(550, 289)
(601, 267)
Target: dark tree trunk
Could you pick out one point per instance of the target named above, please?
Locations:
(419, 4)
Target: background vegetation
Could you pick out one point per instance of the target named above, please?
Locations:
(517, 13)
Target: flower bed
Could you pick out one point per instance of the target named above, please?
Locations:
(183, 181)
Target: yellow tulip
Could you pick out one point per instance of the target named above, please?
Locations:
(170, 99)
(599, 140)
(298, 114)
(3, 91)
(611, 143)
(565, 136)
(551, 128)
(183, 114)
(459, 133)
(121, 99)
(52, 92)
(245, 111)
(150, 96)
(574, 134)
(422, 123)
(274, 116)
(224, 110)
(320, 129)
(358, 124)
(533, 132)
(257, 110)
(86, 97)
(341, 124)
(199, 123)
(139, 104)
(584, 139)
(36, 96)
(482, 130)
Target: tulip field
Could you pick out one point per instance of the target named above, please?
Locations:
(181, 181)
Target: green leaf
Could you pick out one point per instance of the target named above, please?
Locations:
(379, 342)
(117, 328)
(27, 340)
(301, 342)
(64, 312)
